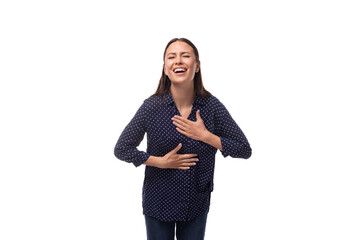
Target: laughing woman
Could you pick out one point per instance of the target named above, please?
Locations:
(185, 127)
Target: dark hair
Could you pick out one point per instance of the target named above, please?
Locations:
(164, 83)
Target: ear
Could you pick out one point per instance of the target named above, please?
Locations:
(197, 67)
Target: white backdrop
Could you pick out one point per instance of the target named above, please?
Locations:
(73, 73)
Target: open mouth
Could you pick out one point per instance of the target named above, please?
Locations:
(179, 71)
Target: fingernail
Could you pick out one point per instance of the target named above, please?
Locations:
(194, 163)
(197, 159)
(179, 144)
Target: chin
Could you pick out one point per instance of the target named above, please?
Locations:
(180, 81)
(177, 79)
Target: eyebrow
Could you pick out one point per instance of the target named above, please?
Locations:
(180, 54)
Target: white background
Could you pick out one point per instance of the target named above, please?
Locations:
(73, 73)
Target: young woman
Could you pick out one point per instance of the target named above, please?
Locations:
(185, 127)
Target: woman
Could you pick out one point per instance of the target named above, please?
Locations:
(185, 127)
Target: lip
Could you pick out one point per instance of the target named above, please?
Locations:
(180, 73)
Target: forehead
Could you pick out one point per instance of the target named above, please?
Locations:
(179, 47)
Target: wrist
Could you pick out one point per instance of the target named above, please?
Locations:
(162, 162)
(206, 136)
(154, 161)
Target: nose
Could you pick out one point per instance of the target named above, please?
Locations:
(178, 60)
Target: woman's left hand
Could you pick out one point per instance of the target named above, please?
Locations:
(195, 130)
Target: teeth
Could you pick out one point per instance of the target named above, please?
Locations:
(179, 70)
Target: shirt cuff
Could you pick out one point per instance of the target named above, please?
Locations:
(143, 157)
(225, 146)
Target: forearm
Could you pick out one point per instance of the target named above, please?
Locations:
(153, 161)
(212, 140)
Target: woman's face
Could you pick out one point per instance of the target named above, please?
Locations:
(180, 63)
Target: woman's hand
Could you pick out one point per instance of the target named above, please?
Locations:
(195, 130)
(178, 161)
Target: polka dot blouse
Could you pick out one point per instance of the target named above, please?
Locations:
(173, 194)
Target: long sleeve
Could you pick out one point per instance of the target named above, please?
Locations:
(131, 137)
(233, 140)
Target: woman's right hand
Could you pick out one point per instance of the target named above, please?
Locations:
(173, 160)
(178, 161)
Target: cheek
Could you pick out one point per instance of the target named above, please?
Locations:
(192, 64)
(166, 70)
(193, 67)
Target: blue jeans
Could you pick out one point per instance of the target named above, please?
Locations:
(185, 230)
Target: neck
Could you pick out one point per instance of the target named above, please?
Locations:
(183, 95)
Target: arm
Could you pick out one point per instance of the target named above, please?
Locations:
(233, 140)
(133, 134)
(131, 137)
(173, 160)
(227, 137)
(212, 140)
(154, 161)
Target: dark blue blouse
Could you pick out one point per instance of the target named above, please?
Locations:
(172, 194)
